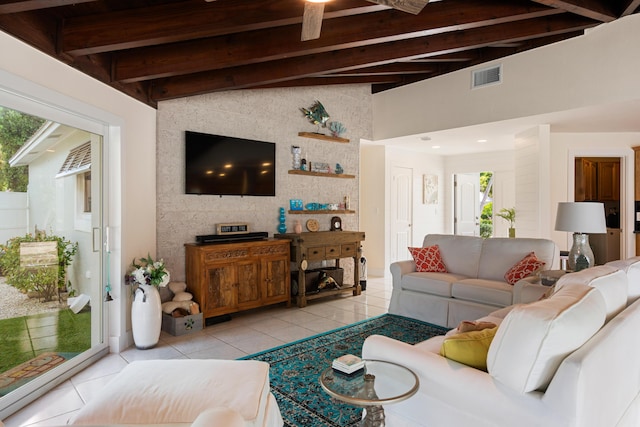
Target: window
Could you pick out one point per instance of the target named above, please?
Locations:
(87, 192)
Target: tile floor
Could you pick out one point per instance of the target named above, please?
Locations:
(247, 333)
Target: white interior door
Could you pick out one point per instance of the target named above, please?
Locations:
(467, 205)
(401, 212)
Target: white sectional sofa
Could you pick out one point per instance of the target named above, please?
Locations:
(474, 284)
(570, 360)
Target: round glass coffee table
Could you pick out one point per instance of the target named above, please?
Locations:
(378, 383)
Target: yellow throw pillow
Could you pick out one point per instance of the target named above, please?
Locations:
(469, 348)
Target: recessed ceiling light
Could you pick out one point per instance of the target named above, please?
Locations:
(435, 147)
(482, 140)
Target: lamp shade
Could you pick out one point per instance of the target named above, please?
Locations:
(581, 217)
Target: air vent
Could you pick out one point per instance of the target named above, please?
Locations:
(487, 76)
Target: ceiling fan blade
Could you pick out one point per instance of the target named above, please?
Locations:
(312, 21)
(411, 6)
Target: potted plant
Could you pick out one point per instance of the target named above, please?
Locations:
(146, 310)
(509, 215)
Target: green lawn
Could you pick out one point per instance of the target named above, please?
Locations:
(23, 338)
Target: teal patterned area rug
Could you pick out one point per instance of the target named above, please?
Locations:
(296, 368)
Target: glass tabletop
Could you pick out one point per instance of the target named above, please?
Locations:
(377, 383)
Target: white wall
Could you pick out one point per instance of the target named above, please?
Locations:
(599, 67)
(39, 85)
(532, 182)
(271, 115)
(13, 215)
(52, 207)
(372, 207)
(377, 165)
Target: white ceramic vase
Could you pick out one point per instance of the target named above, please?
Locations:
(146, 316)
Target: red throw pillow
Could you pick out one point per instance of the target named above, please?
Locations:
(428, 259)
(524, 268)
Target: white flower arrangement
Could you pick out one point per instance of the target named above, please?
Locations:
(150, 272)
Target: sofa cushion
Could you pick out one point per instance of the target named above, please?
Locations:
(431, 283)
(631, 266)
(428, 259)
(178, 391)
(500, 254)
(526, 267)
(461, 254)
(534, 338)
(469, 348)
(493, 292)
(611, 283)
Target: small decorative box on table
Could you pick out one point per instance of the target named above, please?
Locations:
(181, 325)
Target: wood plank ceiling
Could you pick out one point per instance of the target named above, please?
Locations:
(155, 50)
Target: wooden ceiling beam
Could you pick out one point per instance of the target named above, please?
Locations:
(348, 59)
(175, 22)
(16, 6)
(600, 10)
(389, 69)
(283, 42)
(338, 80)
(450, 57)
(629, 7)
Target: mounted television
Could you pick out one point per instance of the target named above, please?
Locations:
(227, 166)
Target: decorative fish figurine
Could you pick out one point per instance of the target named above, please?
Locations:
(316, 114)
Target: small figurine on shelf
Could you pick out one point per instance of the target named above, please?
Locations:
(339, 169)
(316, 114)
(295, 151)
(282, 227)
(297, 227)
(337, 129)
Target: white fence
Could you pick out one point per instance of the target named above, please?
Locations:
(13, 215)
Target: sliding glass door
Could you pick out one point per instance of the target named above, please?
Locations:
(54, 323)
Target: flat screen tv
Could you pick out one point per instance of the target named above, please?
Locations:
(227, 166)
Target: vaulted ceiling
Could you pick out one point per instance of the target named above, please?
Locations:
(155, 50)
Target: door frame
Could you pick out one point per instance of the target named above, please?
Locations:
(25, 96)
(627, 196)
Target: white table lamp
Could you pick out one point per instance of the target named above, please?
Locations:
(581, 218)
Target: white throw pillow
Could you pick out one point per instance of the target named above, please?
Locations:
(533, 339)
(611, 282)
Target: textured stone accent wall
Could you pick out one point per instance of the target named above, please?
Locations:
(271, 115)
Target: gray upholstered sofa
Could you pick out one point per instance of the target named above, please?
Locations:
(474, 284)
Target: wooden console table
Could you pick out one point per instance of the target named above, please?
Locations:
(324, 245)
(229, 277)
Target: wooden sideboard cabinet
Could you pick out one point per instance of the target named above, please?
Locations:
(230, 277)
(324, 245)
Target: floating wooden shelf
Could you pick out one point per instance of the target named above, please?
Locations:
(323, 174)
(322, 137)
(323, 211)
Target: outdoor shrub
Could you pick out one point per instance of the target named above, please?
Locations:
(46, 281)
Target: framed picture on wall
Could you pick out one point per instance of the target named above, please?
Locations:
(430, 189)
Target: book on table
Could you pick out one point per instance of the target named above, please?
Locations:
(348, 363)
